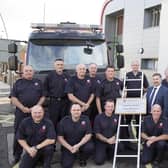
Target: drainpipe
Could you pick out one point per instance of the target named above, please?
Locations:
(103, 9)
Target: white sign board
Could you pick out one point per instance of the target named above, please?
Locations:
(130, 106)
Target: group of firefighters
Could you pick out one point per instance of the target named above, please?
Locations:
(80, 115)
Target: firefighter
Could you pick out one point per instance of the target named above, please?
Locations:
(74, 134)
(26, 93)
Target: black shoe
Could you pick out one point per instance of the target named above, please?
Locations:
(156, 164)
(82, 163)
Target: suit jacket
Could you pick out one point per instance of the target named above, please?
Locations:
(161, 99)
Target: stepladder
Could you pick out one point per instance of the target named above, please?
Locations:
(130, 106)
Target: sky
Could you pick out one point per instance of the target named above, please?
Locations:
(17, 15)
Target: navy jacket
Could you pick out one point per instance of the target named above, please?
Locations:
(161, 99)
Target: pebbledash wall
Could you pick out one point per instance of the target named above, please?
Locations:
(142, 27)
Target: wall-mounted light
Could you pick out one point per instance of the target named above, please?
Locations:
(141, 50)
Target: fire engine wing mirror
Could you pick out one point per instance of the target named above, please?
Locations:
(12, 48)
(88, 50)
(13, 63)
(120, 61)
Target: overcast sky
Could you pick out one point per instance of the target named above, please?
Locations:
(18, 14)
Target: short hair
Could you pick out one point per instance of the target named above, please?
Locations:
(110, 101)
(93, 64)
(157, 74)
(36, 107)
(59, 59)
(110, 66)
(74, 104)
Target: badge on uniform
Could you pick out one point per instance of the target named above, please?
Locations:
(36, 84)
(98, 81)
(83, 123)
(161, 125)
(88, 81)
(66, 80)
(117, 83)
(43, 129)
(115, 120)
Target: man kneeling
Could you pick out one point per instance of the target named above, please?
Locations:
(74, 134)
(155, 134)
(36, 135)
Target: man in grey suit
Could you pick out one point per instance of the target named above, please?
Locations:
(157, 94)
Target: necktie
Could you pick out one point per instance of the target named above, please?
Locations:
(151, 98)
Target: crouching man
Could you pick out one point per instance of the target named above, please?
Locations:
(36, 135)
(74, 134)
(105, 129)
(154, 133)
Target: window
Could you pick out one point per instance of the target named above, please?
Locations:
(152, 16)
(119, 25)
(149, 64)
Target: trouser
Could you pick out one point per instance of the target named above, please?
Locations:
(154, 151)
(104, 151)
(45, 154)
(58, 109)
(94, 112)
(68, 158)
(17, 149)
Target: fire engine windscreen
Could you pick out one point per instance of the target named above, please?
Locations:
(41, 55)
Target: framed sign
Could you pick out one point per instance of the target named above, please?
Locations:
(130, 106)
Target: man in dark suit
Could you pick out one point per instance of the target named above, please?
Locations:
(157, 94)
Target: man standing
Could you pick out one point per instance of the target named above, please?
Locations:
(136, 74)
(105, 129)
(157, 94)
(155, 135)
(26, 93)
(136, 77)
(80, 89)
(74, 134)
(95, 80)
(54, 85)
(110, 88)
(36, 135)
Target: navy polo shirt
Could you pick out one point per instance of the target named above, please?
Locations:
(54, 84)
(109, 89)
(154, 129)
(135, 84)
(107, 126)
(80, 88)
(95, 82)
(35, 133)
(72, 131)
(28, 92)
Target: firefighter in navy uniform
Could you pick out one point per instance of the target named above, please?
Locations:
(155, 135)
(110, 88)
(105, 129)
(74, 134)
(95, 80)
(80, 89)
(135, 74)
(36, 135)
(54, 85)
(26, 93)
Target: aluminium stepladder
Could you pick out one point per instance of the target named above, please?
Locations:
(138, 125)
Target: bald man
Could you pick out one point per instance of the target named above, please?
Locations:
(26, 93)
(155, 135)
(36, 135)
(80, 89)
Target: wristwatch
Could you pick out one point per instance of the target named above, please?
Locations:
(35, 147)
